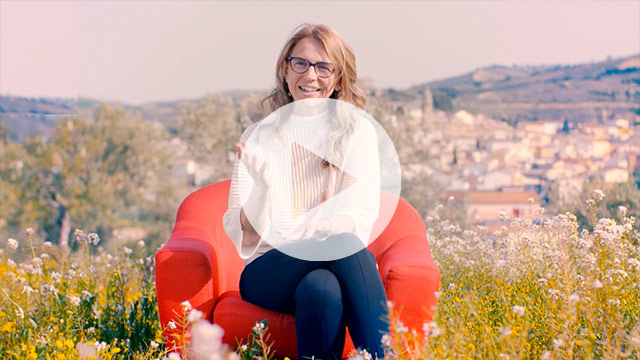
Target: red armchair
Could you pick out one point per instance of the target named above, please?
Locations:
(200, 264)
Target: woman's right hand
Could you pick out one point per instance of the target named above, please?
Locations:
(256, 164)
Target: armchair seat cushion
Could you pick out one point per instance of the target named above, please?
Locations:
(237, 316)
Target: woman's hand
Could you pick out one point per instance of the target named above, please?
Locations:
(256, 164)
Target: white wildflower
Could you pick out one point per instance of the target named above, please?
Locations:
(400, 328)
(94, 239)
(30, 231)
(96, 311)
(174, 356)
(622, 211)
(518, 310)
(101, 346)
(206, 340)
(574, 298)
(360, 355)
(386, 341)
(12, 243)
(558, 343)
(614, 301)
(194, 315)
(154, 345)
(172, 325)
(434, 330)
(598, 195)
(186, 306)
(506, 331)
(127, 250)
(86, 351)
(80, 235)
(258, 327)
(597, 284)
(20, 313)
(74, 300)
(389, 304)
(451, 199)
(141, 243)
(47, 244)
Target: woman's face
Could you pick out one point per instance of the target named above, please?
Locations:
(309, 84)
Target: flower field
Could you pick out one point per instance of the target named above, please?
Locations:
(539, 288)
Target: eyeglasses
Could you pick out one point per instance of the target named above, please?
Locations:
(301, 65)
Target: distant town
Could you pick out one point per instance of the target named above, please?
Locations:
(496, 140)
(495, 167)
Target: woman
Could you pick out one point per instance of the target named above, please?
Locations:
(329, 293)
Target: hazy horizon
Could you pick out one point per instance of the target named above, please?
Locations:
(141, 52)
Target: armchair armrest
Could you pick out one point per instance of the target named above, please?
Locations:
(184, 273)
(410, 279)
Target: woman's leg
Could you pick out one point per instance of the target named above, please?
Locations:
(319, 326)
(363, 296)
(270, 281)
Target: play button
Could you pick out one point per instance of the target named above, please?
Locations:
(327, 165)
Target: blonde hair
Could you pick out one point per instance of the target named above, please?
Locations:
(344, 60)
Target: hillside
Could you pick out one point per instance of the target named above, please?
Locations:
(28, 116)
(581, 92)
(584, 92)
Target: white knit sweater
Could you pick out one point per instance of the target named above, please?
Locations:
(299, 183)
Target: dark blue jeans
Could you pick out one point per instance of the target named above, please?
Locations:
(324, 296)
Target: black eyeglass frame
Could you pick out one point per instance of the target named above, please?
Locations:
(310, 64)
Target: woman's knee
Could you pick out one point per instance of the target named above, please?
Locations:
(319, 285)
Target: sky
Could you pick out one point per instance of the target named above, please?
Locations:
(136, 52)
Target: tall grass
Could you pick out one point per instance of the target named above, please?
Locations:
(538, 288)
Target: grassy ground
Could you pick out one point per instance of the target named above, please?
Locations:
(535, 289)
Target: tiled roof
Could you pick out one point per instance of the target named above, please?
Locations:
(495, 197)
